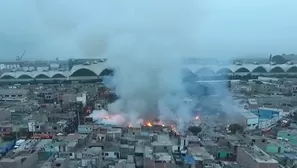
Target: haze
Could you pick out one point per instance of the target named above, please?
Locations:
(68, 29)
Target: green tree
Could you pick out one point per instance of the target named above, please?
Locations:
(195, 130)
(235, 128)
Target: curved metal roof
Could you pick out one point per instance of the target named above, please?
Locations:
(33, 74)
(234, 68)
(196, 69)
(96, 68)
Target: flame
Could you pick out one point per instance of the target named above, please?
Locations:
(149, 124)
(163, 125)
(197, 117)
(129, 125)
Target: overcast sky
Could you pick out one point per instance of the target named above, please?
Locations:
(220, 28)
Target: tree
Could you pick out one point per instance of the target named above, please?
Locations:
(235, 128)
(195, 130)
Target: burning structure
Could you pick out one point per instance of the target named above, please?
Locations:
(105, 118)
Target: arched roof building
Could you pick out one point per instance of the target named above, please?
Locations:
(34, 75)
(101, 69)
(245, 68)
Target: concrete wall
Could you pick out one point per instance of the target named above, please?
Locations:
(252, 123)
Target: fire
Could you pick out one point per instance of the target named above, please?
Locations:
(173, 128)
(129, 125)
(149, 124)
(197, 118)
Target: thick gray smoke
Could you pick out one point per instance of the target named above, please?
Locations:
(144, 42)
(148, 77)
(145, 46)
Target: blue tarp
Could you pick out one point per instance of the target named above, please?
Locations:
(189, 160)
(7, 147)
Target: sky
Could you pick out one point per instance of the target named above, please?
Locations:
(221, 29)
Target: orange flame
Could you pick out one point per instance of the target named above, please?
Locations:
(149, 124)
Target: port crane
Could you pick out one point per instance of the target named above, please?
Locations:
(19, 58)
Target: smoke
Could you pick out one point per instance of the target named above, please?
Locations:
(88, 28)
(145, 42)
(103, 117)
(109, 82)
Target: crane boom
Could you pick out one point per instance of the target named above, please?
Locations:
(19, 58)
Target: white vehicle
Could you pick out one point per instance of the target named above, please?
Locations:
(18, 143)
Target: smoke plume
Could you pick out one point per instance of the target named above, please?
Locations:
(103, 117)
(145, 42)
(145, 46)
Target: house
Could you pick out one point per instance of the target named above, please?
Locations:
(14, 95)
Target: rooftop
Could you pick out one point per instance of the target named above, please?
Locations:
(259, 155)
(200, 153)
(111, 147)
(114, 131)
(249, 115)
(163, 157)
(13, 91)
(288, 131)
(252, 101)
